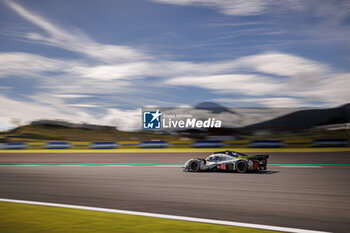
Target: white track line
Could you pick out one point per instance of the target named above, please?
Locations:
(166, 216)
(139, 166)
(300, 166)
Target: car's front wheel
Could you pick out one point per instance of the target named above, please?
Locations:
(241, 166)
(194, 166)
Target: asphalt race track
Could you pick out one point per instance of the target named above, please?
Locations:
(307, 198)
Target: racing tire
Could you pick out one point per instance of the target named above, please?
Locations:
(194, 166)
(241, 166)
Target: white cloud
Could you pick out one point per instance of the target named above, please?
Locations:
(321, 22)
(27, 64)
(117, 71)
(53, 109)
(333, 90)
(281, 64)
(228, 7)
(261, 77)
(299, 79)
(274, 102)
(336, 10)
(27, 111)
(71, 96)
(75, 40)
(231, 83)
(83, 105)
(128, 120)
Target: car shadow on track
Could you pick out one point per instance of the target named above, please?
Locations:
(248, 173)
(263, 172)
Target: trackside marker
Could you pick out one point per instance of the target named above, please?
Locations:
(165, 216)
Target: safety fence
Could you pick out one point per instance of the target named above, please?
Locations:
(295, 143)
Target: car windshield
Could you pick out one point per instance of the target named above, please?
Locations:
(212, 158)
(217, 158)
(230, 153)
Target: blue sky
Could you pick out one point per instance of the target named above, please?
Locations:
(85, 61)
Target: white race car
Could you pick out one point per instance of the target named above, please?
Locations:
(227, 161)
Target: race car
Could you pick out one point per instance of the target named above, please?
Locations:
(227, 161)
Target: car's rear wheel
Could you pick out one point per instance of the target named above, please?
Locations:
(194, 166)
(241, 166)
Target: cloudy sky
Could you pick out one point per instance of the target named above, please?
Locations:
(85, 61)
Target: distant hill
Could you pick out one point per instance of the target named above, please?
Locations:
(304, 119)
(57, 131)
(60, 123)
(213, 107)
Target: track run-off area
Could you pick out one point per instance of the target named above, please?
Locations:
(302, 190)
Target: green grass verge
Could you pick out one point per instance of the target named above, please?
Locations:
(180, 150)
(31, 218)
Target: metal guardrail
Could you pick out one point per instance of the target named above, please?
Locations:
(208, 144)
(154, 144)
(331, 143)
(13, 146)
(163, 144)
(266, 143)
(104, 145)
(58, 145)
